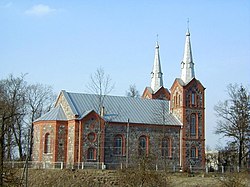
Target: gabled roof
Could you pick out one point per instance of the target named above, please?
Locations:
(137, 110)
(56, 113)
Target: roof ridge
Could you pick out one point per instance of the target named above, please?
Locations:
(117, 96)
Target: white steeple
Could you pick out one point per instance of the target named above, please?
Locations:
(187, 64)
(156, 74)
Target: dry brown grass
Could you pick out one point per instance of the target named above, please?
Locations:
(234, 180)
(129, 178)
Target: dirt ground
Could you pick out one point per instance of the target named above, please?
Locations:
(97, 178)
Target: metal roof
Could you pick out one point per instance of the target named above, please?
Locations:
(120, 109)
(117, 109)
(56, 113)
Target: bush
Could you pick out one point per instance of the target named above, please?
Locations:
(234, 180)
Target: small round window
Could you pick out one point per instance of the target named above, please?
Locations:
(92, 137)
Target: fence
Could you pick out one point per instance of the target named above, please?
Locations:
(96, 165)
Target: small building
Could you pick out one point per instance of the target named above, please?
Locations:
(212, 160)
(167, 125)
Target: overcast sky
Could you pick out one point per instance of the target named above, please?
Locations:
(61, 42)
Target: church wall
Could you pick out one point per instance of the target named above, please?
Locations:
(49, 128)
(90, 138)
(194, 106)
(187, 101)
(89, 128)
(40, 151)
(154, 134)
(61, 141)
(37, 140)
(176, 103)
(71, 142)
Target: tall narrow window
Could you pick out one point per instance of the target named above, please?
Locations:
(142, 146)
(193, 99)
(193, 125)
(174, 101)
(176, 104)
(165, 148)
(198, 101)
(91, 154)
(179, 100)
(194, 153)
(118, 145)
(47, 143)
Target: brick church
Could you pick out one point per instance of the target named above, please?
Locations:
(165, 124)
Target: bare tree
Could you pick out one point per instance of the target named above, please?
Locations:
(132, 91)
(234, 118)
(20, 105)
(39, 101)
(14, 88)
(101, 85)
(12, 101)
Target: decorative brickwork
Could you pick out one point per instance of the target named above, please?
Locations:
(62, 142)
(90, 127)
(187, 104)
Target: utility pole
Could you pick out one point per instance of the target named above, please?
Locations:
(25, 172)
(127, 144)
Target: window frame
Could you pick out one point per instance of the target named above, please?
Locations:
(119, 149)
(91, 154)
(193, 125)
(143, 148)
(47, 143)
(193, 99)
(194, 152)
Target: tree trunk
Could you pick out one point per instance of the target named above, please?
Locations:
(31, 140)
(1, 152)
(240, 153)
(9, 144)
(1, 159)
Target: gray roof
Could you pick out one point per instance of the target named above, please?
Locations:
(56, 113)
(120, 109)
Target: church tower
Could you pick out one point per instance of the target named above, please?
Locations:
(187, 104)
(156, 89)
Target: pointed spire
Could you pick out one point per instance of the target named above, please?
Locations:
(156, 74)
(187, 64)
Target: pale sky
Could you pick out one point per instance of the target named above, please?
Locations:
(61, 42)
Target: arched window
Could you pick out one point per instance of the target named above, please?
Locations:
(47, 143)
(143, 146)
(194, 152)
(118, 145)
(193, 125)
(91, 154)
(164, 147)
